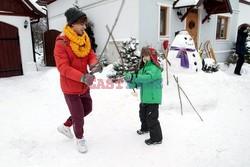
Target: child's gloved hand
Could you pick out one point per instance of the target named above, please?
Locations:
(128, 76)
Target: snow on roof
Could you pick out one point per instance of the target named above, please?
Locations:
(186, 3)
(40, 8)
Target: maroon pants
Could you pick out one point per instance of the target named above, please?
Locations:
(79, 107)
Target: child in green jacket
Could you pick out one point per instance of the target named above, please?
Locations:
(149, 80)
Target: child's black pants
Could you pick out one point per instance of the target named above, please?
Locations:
(149, 114)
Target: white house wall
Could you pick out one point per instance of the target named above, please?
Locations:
(148, 29)
(149, 22)
(26, 48)
(127, 25)
(140, 19)
(207, 32)
(244, 14)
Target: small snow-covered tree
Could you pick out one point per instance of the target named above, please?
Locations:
(209, 65)
(247, 58)
(232, 59)
(37, 30)
(104, 59)
(130, 57)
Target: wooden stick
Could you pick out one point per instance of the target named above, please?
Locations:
(111, 35)
(112, 29)
(167, 70)
(167, 63)
(188, 98)
(178, 88)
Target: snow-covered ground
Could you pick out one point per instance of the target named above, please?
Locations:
(32, 106)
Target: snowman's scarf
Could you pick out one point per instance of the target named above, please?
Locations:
(182, 54)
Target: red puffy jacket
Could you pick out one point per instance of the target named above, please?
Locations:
(71, 67)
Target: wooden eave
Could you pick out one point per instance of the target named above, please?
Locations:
(44, 2)
(176, 7)
(38, 12)
(216, 7)
(189, 8)
(211, 7)
(245, 2)
(20, 8)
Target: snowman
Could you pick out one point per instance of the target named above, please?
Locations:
(183, 56)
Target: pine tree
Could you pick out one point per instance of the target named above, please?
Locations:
(130, 57)
(232, 59)
(38, 30)
(104, 58)
(247, 58)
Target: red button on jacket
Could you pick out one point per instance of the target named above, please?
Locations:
(71, 67)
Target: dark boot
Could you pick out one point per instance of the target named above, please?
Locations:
(151, 142)
(141, 132)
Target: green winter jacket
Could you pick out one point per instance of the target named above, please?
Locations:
(149, 80)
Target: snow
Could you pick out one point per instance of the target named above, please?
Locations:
(40, 8)
(248, 44)
(181, 3)
(32, 106)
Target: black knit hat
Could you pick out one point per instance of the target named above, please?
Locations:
(73, 14)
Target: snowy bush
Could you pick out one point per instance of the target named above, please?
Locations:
(232, 59)
(130, 59)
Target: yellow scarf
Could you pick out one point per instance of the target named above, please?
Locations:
(79, 44)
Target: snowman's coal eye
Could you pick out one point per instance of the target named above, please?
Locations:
(193, 55)
(185, 38)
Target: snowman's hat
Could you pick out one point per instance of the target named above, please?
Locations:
(153, 55)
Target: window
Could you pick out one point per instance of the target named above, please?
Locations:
(163, 21)
(222, 27)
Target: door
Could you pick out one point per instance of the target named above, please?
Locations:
(49, 44)
(192, 25)
(10, 57)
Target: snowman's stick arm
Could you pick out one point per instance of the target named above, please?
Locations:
(187, 97)
(166, 56)
(167, 62)
(178, 87)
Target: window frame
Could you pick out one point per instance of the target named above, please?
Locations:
(164, 11)
(226, 24)
(167, 21)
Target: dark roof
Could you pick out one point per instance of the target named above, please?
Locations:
(211, 7)
(44, 2)
(245, 2)
(20, 8)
